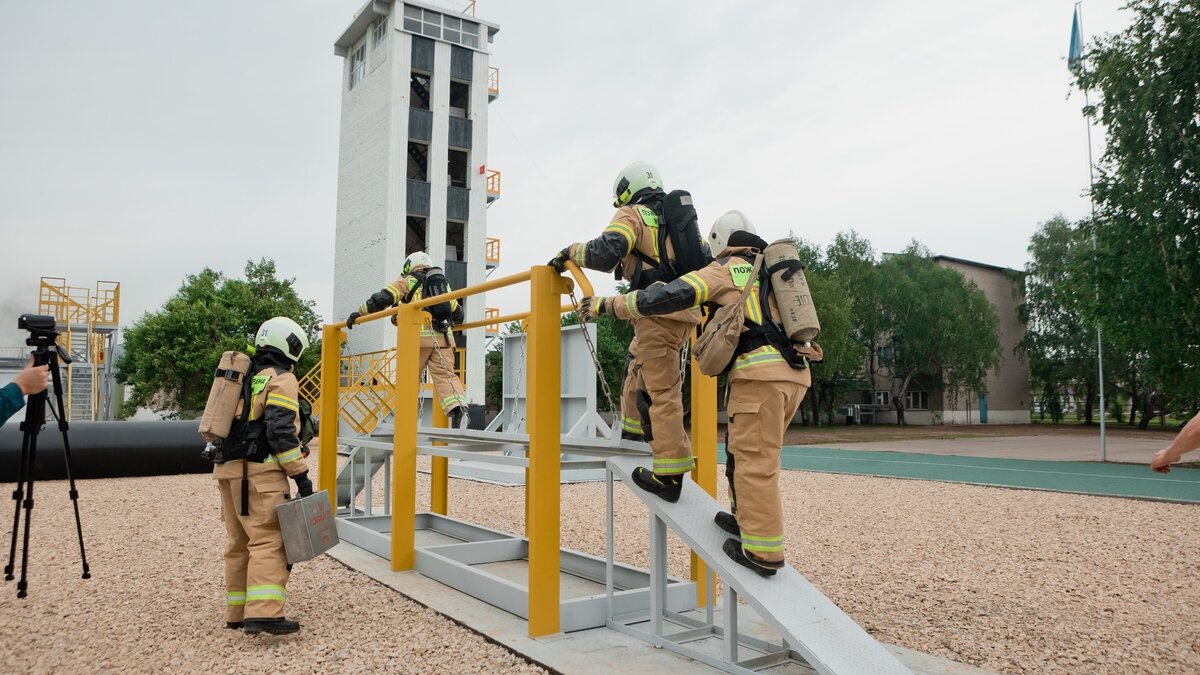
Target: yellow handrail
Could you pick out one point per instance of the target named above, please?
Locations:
(543, 488)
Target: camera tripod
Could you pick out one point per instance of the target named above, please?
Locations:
(48, 353)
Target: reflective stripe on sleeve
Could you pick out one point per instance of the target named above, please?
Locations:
(281, 401)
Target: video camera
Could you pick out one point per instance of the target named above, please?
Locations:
(43, 332)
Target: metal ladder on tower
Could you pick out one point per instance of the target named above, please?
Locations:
(81, 377)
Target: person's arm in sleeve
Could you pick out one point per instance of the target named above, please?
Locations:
(607, 251)
(457, 315)
(690, 290)
(283, 423)
(11, 400)
(31, 380)
(1187, 440)
(388, 296)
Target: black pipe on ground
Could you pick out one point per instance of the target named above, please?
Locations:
(107, 449)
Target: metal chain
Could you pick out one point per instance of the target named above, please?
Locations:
(519, 425)
(595, 359)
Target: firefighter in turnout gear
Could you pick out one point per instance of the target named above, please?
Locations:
(252, 485)
(652, 396)
(419, 278)
(767, 379)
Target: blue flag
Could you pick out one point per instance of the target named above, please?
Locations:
(1075, 52)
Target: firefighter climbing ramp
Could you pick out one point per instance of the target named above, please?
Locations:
(810, 626)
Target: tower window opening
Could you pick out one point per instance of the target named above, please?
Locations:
(419, 91)
(418, 161)
(455, 240)
(379, 32)
(358, 65)
(414, 237)
(460, 98)
(456, 168)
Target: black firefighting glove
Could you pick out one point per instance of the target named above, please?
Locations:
(558, 262)
(303, 484)
(351, 319)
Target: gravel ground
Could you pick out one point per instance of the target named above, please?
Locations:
(1013, 581)
(155, 600)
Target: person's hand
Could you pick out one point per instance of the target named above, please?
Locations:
(33, 379)
(592, 307)
(1163, 459)
(559, 262)
(303, 484)
(351, 319)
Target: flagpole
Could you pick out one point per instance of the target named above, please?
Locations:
(1092, 199)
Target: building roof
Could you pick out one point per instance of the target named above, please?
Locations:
(972, 263)
(377, 8)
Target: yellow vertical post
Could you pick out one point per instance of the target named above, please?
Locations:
(542, 414)
(404, 436)
(331, 338)
(440, 466)
(704, 447)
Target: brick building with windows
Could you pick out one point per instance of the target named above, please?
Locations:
(1006, 399)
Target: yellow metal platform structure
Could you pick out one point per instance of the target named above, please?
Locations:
(87, 321)
(542, 486)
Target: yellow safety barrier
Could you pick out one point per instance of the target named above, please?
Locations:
(543, 423)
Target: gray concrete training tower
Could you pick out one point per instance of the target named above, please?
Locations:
(412, 167)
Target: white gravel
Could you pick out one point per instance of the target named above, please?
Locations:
(1013, 581)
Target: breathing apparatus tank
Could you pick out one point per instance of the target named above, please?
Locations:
(798, 315)
(224, 396)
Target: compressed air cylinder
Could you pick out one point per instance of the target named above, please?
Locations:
(224, 396)
(798, 315)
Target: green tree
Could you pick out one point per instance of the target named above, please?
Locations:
(169, 355)
(1059, 345)
(934, 323)
(612, 343)
(1147, 193)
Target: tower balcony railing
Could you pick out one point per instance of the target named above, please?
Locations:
(493, 83)
(491, 313)
(493, 185)
(491, 252)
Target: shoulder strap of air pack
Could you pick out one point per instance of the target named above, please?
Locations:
(757, 336)
(415, 287)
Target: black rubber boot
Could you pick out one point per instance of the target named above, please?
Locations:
(271, 626)
(235, 625)
(459, 418)
(667, 488)
(728, 522)
(733, 549)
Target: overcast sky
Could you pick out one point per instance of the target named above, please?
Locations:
(141, 141)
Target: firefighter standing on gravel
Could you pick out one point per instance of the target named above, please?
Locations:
(652, 396)
(256, 569)
(419, 278)
(764, 389)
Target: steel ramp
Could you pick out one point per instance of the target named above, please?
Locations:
(808, 622)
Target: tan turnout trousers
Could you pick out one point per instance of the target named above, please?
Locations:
(759, 413)
(256, 572)
(450, 390)
(655, 369)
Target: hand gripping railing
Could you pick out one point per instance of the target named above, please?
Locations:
(542, 422)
